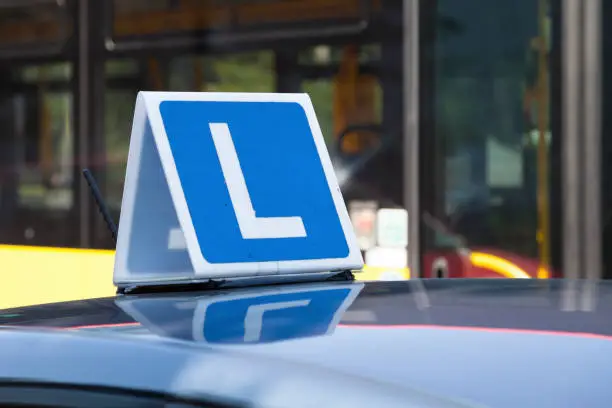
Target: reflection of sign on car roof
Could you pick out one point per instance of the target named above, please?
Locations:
(226, 185)
(264, 316)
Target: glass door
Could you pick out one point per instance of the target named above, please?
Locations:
(487, 142)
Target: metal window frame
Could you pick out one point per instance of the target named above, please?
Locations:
(411, 89)
(89, 84)
(581, 139)
(592, 181)
(571, 146)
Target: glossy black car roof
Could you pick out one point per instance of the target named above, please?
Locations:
(501, 343)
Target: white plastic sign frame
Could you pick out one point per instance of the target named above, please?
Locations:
(148, 124)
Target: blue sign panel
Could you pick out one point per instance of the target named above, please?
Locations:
(261, 316)
(285, 182)
(223, 185)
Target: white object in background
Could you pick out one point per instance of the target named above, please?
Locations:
(392, 227)
(387, 257)
(363, 217)
(393, 262)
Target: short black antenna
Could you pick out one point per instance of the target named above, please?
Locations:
(95, 191)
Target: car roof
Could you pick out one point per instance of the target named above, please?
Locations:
(38, 358)
(512, 304)
(476, 340)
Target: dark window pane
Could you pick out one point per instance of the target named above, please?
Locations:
(37, 203)
(26, 25)
(489, 181)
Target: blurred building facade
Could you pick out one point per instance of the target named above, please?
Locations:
(478, 117)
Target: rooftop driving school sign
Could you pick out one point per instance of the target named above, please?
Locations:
(223, 185)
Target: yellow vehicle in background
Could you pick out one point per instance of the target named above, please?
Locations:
(75, 67)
